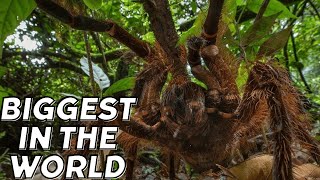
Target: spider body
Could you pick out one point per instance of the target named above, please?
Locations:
(206, 129)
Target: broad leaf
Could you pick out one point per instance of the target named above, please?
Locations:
(3, 71)
(240, 2)
(5, 92)
(93, 4)
(242, 75)
(195, 30)
(121, 85)
(276, 42)
(258, 30)
(229, 12)
(99, 76)
(149, 37)
(194, 6)
(12, 12)
(273, 7)
(71, 95)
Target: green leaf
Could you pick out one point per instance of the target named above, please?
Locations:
(12, 12)
(258, 30)
(3, 71)
(121, 85)
(2, 95)
(99, 76)
(149, 37)
(273, 7)
(195, 29)
(229, 12)
(5, 92)
(242, 75)
(71, 95)
(93, 4)
(240, 2)
(276, 42)
(194, 6)
(2, 134)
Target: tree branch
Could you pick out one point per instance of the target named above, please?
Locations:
(61, 64)
(298, 13)
(88, 50)
(110, 56)
(89, 24)
(96, 39)
(314, 8)
(286, 57)
(39, 54)
(64, 65)
(298, 67)
(74, 56)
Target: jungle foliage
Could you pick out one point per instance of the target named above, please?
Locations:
(42, 56)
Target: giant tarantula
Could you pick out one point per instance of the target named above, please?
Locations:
(204, 126)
